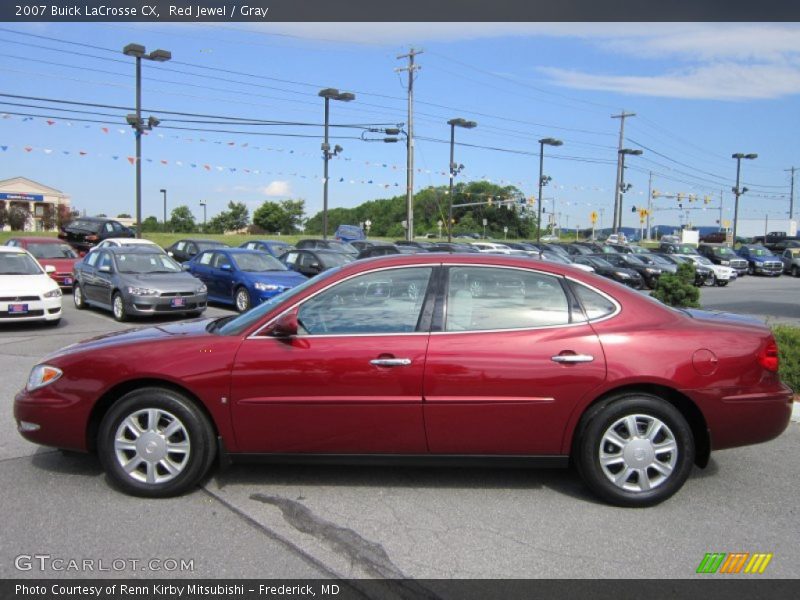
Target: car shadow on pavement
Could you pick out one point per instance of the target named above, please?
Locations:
(67, 462)
(562, 481)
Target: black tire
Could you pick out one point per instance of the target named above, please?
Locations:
(637, 487)
(189, 450)
(712, 280)
(751, 270)
(241, 299)
(118, 307)
(795, 271)
(78, 298)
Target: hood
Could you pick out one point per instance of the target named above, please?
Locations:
(62, 265)
(285, 278)
(163, 282)
(26, 285)
(136, 335)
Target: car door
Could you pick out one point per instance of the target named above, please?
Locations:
(200, 267)
(223, 275)
(99, 286)
(350, 382)
(509, 363)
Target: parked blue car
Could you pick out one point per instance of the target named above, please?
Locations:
(242, 277)
(273, 247)
(760, 261)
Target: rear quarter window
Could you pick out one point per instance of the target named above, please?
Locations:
(595, 305)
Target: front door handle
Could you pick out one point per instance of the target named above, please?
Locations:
(572, 358)
(390, 362)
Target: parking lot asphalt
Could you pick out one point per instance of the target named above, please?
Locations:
(265, 521)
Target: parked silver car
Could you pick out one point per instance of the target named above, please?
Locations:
(136, 280)
(791, 261)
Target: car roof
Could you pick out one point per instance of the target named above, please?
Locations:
(137, 248)
(98, 219)
(13, 249)
(33, 239)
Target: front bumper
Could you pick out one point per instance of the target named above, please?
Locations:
(164, 305)
(773, 269)
(50, 419)
(42, 309)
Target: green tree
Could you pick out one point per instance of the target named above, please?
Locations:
(18, 216)
(123, 216)
(678, 289)
(151, 224)
(182, 220)
(271, 217)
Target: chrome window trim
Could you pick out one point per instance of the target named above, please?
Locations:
(617, 306)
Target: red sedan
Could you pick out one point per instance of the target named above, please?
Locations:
(50, 251)
(407, 357)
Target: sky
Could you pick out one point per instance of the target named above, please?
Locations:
(700, 92)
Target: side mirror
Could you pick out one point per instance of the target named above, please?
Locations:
(286, 326)
(226, 267)
(186, 266)
(49, 269)
(170, 253)
(105, 269)
(315, 266)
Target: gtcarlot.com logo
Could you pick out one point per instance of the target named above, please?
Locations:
(734, 563)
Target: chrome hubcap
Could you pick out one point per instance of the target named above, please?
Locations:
(118, 309)
(77, 295)
(242, 301)
(152, 446)
(638, 453)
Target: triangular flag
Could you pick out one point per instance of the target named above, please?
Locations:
(28, 148)
(132, 160)
(105, 129)
(51, 122)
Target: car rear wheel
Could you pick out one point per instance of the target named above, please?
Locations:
(712, 280)
(751, 270)
(634, 450)
(118, 308)
(155, 443)
(242, 299)
(795, 271)
(77, 297)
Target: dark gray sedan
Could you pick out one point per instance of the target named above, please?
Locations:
(136, 280)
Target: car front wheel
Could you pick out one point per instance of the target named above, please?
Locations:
(712, 280)
(155, 443)
(242, 299)
(795, 271)
(634, 450)
(118, 308)
(77, 297)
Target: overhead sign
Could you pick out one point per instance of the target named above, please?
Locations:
(27, 197)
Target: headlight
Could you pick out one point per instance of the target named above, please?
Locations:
(138, 291)
(622, 275)
(725, 262)
(653, 271)
(42, 375)
(56, 293)
(267, 287)
(202, 289)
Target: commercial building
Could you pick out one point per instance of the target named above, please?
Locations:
(40, 202)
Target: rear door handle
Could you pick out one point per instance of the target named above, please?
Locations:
(390, 362)
(572, 358)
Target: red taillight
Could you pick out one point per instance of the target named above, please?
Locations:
(768, 357)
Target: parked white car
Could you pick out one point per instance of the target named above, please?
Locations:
(721, 275)
(27, 292)
(117, 242)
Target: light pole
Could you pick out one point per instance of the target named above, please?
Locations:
(329, 94)
(165, 208)
(737, 191)
(542, 143)
(203, 204)
(623, 187)
(455, 169)
(136, 121)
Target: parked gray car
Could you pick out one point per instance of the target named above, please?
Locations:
(791, 261)
(138, 281)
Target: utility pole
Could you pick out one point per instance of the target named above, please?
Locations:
(791, 194)
(649, 203)
(410, 140)
(617, 191)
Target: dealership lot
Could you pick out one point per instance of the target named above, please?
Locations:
(304, 521)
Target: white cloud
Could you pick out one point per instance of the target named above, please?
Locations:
(720, 81)
(277, 188)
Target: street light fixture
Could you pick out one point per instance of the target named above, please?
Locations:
(737, 191)
(543, 180)
(329, 94)
(139, 127)
(165, 208)
(203, 204)
(455, 169)
(623, 187)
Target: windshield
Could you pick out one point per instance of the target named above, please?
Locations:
(632, 260)
(85, 225)
(206, 245)
(759, 252)
(40, 250)
(343, 247)
(724, 251)
(661, 260)
(600, 262)
(149, 262)
(18, 263)
(228, 326)
(257, 261)
(335, 259)
(702, 260)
